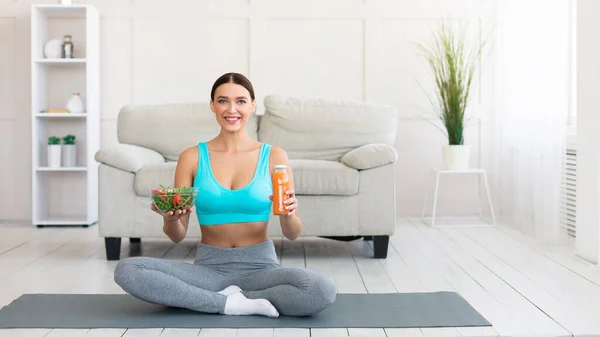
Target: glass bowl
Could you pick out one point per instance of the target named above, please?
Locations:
(173, 199)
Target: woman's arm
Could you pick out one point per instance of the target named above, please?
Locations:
(176, 227)
(291, 224)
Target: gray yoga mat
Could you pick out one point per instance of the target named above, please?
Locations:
(403, 310)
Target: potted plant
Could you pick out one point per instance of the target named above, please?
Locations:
(54, 153)
(453, 63)
(69, 154)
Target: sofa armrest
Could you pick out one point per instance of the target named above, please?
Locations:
(370, 156)
(128, 157)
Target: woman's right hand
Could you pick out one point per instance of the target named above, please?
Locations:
(171, 216)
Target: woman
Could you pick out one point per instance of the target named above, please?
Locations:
(236, 270)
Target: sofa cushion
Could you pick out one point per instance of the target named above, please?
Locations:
(370, 156)
(325, 129)
(171, 128)
(314, 177)
(152, 176)
(323, 177)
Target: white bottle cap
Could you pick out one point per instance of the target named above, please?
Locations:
(280, 167)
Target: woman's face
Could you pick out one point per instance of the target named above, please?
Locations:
(232, 106)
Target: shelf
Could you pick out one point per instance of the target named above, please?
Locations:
(61, 61)
(60, 115)
(65, 195)
(63, 220)
(62, 169)
(65, 11)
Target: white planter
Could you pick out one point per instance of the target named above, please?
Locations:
(54, 155)
(68, 155)
(457, 157)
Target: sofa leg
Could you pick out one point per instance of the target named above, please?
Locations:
(113, 248)
(342, 238)
(135, 240)
(380, 246)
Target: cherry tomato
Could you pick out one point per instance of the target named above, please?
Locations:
(176, 199)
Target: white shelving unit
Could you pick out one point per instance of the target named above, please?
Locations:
(65, 195)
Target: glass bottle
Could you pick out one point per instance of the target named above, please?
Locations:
(67, 47)
(280, 181)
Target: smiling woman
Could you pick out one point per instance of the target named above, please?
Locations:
(236, 271)
(234, 102)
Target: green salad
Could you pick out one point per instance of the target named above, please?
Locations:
(172, 199)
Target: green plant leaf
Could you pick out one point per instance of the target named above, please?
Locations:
(69, 139)
(453, 68)
(53, 140)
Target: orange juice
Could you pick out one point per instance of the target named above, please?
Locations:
(280, 181)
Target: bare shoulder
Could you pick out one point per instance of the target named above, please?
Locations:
(278, 155)
(189, 156)
(187, 164)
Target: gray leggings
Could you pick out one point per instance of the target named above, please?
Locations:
(292, 291)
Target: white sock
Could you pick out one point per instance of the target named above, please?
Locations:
(238, 304)
(230, 290)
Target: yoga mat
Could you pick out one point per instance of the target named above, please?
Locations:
(395, 310)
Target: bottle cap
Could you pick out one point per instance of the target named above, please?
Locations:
(280, 167)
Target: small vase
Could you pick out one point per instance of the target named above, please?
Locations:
(69, 155)
(457, 157)
(53, 49)
(54, 156)
(75, 104)
(67, 47)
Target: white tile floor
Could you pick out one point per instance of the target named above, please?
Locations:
(522, 288)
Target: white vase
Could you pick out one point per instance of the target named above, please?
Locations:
(54, 155)
(75, 104)
(53, 49)
(68, 155)
(457, 157)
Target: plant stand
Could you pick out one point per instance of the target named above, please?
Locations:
(431, 220)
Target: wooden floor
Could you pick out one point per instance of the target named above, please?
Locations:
(522, 288)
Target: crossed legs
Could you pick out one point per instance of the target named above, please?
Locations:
(269, 291)
(293, 291)
(172, 283)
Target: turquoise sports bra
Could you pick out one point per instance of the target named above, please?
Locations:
(216, 204)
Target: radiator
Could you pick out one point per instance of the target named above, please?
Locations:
(568, 208)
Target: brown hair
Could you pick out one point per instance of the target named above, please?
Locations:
(232, 78)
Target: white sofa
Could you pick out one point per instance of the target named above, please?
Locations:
(341, 152)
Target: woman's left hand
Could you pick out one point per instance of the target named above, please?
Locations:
(291, 202)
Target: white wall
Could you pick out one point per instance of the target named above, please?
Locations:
(171, 51)
(588, 137)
